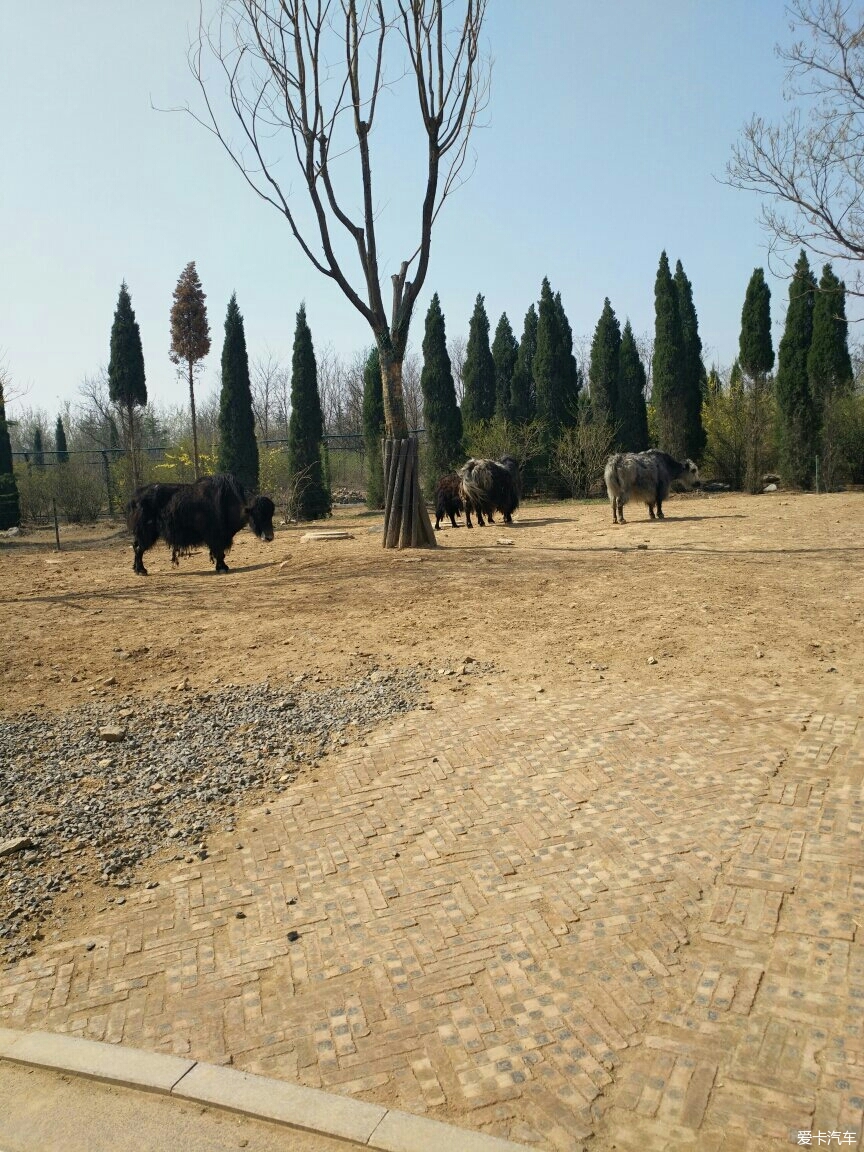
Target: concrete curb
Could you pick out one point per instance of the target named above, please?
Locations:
(325, 1113)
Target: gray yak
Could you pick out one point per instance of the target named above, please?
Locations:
(645, 477)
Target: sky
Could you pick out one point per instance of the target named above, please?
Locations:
(604, 141)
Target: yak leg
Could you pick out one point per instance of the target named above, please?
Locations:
(453, 520)
(480, 521)
(620, 503)
(651, 511)
(438, 523)
(660, 515)
(221, 566)
(138, 566)
(468, 523)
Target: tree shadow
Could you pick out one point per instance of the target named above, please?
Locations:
(680, 519)
(532, 522)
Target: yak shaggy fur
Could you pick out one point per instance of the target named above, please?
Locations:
(448, 499)
(645, 477)
(209, 512)
(490, 486)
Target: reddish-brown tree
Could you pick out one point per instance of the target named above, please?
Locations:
(190, 336)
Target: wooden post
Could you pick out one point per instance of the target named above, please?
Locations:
(387, 451)
(56, 525)
(406, 522)
(397, 471)
(408, 509)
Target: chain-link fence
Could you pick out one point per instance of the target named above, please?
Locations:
(94, 483)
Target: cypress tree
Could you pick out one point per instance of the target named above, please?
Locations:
(556, 377)
(755, 350)
(631, 413)
(668, 374)
(546, 363)
(238, 448)
(714, 385)
(306, 427)
(441, 415)
(38, 449)
(190, 335)
(10, 509)
(829, 367)
(570, 380)
(373, 429)
(478, 374)
(796, 415)
(523, 403)
(505, 349)
(756, 359)
(127, 386)
(605, 368)
(61, 450)
(695, 377)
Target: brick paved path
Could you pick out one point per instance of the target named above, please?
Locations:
(544, 917)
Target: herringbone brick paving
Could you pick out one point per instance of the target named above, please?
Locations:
(545, 917)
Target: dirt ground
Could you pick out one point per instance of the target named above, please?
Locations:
(730, 594)
(728, 589)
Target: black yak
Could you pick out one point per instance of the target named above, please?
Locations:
(489, 486)
(645, 476)
(211, 511)
(448, 499)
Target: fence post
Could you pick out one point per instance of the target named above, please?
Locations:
(56, 525)
(817, 475)
(106, 471)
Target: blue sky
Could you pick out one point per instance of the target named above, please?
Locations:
(607, 130)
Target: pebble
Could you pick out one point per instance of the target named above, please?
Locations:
(182, 766)
(652, 659)
(112, 733)
(16, 845)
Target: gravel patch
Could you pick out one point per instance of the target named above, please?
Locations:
(96, 790)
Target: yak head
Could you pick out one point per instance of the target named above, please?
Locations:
(689, 478)
(260, 513)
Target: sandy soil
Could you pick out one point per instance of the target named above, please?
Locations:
(764, 589)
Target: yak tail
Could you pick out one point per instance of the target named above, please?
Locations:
(612, 472)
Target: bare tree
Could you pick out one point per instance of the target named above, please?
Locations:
(10, 391)
(329, 385)
(265, 386)
(314, 70)
(810, 168)
(98, 424)
(413, 393)
(353, 378)
(457, 347)
(645, 348)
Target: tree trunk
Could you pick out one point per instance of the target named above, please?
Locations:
(406, 521)
(757, 430)
(133, 455)
(194, 422)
